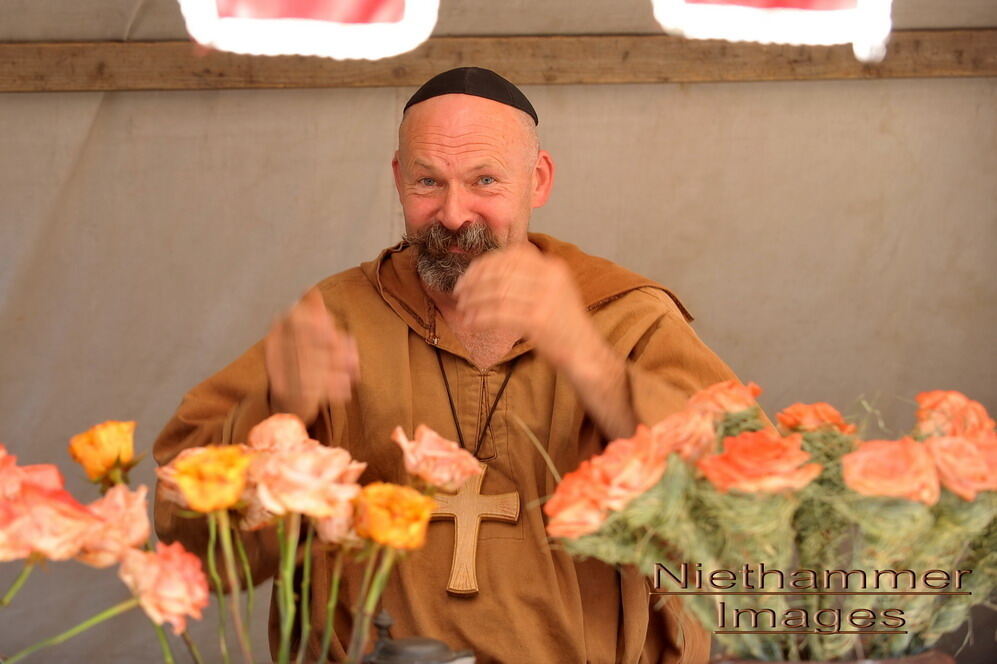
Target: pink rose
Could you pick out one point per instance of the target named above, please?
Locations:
(628, 467)
(169, 584)
(438, 461)
(282, 431)
(13, 476)
(124, 524)
(962, 466)
(46, 521)
(760, 462)
(729, 396)
(897, 468)
(310, 480)
(339, 527)
(577, 507)
(689, 433)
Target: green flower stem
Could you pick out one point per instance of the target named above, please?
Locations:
(225, 528)
(70, 633)
(330, 605)
(195, 654)
(306, 584)
(247, 573)
(289, 549)
(216, 581)
(370, 603)
(164, 644)
(18, 582)
(358, 637)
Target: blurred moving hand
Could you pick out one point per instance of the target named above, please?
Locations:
(308, 360)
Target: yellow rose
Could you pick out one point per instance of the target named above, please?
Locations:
(213, 478)
(393, 515)
(103, 448)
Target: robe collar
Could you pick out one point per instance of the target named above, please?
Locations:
(393, 274)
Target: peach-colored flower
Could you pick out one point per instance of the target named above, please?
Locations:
(167, 475)
(12, 476)
(578, 506)
(811, 417)
(49, 522)
(103, 448)
(689, 433)
(898, 468)
(629, 466)
(310, 480)
(213, 477)
(440, 462)
(393, 515)
(729, 396)
(339, 527)
(950, 413)
(282, 431)
(962, 466)
(169, 584)
(124, 523)
(760, 462)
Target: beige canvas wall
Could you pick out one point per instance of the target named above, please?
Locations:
(833, 239)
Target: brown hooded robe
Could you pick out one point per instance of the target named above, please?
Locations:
(536, 604)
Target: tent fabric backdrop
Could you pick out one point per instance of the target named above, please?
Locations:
(833, 239)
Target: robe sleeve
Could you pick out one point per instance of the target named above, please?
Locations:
(221, 410)
(669, 363)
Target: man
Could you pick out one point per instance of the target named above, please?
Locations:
(472, 326)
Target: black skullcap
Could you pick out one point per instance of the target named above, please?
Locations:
(474, 81)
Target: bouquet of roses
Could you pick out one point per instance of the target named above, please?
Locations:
(280, 478)
(714, 495)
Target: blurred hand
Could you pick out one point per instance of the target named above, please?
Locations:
(521, 291)
(308, 360)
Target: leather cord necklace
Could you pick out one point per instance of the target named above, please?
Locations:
(491, 411)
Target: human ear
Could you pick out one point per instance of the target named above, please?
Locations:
(543, 179)
(396, 168)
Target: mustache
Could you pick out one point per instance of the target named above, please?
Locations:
(437, 240)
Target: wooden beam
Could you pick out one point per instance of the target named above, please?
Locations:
(579, 59)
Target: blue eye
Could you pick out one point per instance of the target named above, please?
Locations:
(486, 179)
(428, 182)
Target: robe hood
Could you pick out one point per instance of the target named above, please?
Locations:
(393, 274)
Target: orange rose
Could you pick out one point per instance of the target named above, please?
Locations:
(309, 479)
(103, 448)
(169, 584)
(898, 468)
(811, 417)
(282, 431)
(949, 413)
(760, 462)
(49, 522)
(729, 396)
(124, 523)
(393, 515)
(438, 461)
(689, 433)
(213, 477)
(628, 467)
(578, 506)
(962, 466)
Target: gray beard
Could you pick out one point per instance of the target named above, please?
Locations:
(438, 267)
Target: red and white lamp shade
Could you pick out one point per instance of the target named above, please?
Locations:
(342, 29)
(865, 24)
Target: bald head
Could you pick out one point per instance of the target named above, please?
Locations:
(456, 118)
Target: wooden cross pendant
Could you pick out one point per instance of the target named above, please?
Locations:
(467, 508)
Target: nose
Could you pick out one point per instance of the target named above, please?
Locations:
(455, 210)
